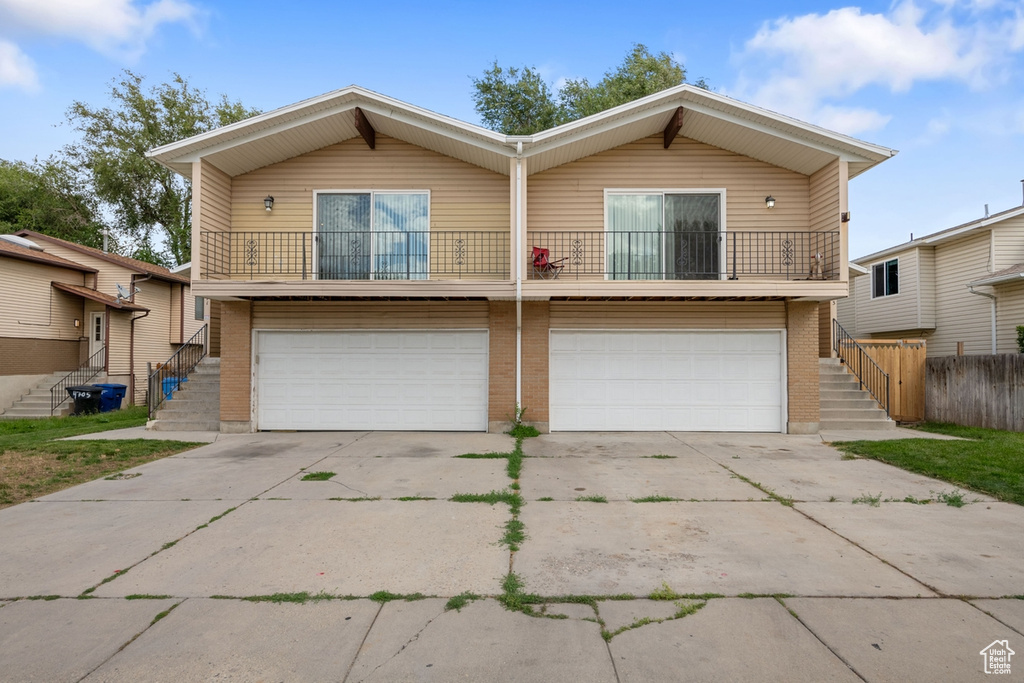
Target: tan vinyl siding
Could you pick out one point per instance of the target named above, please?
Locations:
(211, 212)
(571, 197)
(32, 308)
(825, 190)
(893, 312)
(110, 274)
(926, 287)
(1009, 314)
(463, 197)
(214, 327)
(1009, 242)
(191, 324)
(152, 341)
(960, 315)
(846, 309)
(352, 315)
(714, 315)
(174, 319)
(118, 342)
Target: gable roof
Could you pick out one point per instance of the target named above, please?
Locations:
(156, 271)
(21, 253)
(1014, 273)
(708, 117)
(957, 231)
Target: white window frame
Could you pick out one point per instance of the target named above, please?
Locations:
(720, 191)
(885, 274)
(372, 193)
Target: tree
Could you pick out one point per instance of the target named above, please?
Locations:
(525, 105)
(515, 101)
(146, 202)
(45, 197)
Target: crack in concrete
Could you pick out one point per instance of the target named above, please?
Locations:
(800, 621)
(350, 488)
(413, 639)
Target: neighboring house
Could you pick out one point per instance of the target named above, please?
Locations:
(964, 284)
(374, 264)
(61, 308)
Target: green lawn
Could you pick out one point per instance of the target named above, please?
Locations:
(33, 464)
(991, 462)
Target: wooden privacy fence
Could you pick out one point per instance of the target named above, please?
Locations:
(904, 361)
(977, 391)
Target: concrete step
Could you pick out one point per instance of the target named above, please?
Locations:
(859, 402)
(853, 414)
(195, 407)
(855, 424)
(175, 410)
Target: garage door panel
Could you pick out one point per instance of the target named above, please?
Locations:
(674, 380)
(403, 380)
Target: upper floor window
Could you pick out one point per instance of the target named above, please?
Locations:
(664, 234)
(885, 278)
(373, 235)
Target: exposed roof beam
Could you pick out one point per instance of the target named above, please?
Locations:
(365, 129)
(675, 124)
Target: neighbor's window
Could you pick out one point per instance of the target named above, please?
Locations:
(885, 278)
(658, 235)
(200, 308)
(373, 235)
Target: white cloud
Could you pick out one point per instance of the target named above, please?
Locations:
(16, 69)
(806, 65)
(113, 27)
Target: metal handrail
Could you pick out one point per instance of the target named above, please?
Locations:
(355, 255)
(690, 255)
(864, 368)
(88, 370)
(169, 375)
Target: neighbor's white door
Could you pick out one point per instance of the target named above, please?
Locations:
(666, 380)
(380, 380)
(97, 332)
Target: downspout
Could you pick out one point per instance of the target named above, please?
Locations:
(131, 338)
(970, 288)
(519, 279)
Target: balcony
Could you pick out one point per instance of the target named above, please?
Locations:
(477, 263)
(712, 264)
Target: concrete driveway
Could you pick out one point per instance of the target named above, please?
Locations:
(767, 568)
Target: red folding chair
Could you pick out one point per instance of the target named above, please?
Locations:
(543, 267)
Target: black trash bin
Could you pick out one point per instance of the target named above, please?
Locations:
(111, 397)
(86, 397)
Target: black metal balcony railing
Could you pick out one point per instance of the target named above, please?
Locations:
(442, 254)
(452, 254)
(793, 255)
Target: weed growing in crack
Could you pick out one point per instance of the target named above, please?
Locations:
(654, 499)
(514, 500)
(317, 476)
(515, 533)
(591, 499)
(163, 614)
(483, 456)
(360, 499)
(659, 456)
(545, 499)
(147, 596)
(521, 431)
(407, 498)
(954, 498)
(866, 499)
(459, 601)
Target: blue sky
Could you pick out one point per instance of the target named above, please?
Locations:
(939, 80)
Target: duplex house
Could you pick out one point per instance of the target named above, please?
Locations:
(656, 266)
(963, 285)
(62, 310)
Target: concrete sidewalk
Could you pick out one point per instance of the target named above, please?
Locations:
(222, 562)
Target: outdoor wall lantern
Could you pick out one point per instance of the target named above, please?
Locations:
(78, 323)
(269, 203)
(769, 202)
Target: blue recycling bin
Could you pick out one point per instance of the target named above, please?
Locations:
(171, 384)
(111, 397)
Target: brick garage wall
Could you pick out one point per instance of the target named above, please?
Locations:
(536, 324)
(501, 382)
(802, 360)
(235, 364)
(20, 356)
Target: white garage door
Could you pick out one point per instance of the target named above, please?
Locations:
(671, 380)
(388, 380)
